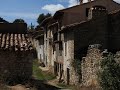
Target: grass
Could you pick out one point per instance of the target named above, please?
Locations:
(39, 74)
(64, 86)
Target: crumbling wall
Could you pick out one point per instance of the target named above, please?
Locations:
(90, 66)
(117, 57)
(15, 66)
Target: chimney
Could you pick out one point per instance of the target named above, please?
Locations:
(96, 12)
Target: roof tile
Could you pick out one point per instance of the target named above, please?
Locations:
(15, 42)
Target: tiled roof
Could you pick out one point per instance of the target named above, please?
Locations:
(70, 26)
(113, 12)
(15, 42)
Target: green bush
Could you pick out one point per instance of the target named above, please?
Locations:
(77, 66)
(110, 73)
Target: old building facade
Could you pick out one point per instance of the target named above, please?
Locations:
(68, 34)
(37, 39)
(15, 53)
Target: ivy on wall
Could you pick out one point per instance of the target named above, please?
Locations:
(77, 66)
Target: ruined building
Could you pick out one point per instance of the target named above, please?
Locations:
(15, 53)
(69, 33)
(37, 39)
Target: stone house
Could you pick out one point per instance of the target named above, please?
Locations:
(15, 53)
(48, 42)
(37, 37)
(71, 32)
(103, 30)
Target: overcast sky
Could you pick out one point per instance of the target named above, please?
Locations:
(29, 10)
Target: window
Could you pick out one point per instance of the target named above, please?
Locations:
(55, 36)
(65, 48)
(59, 35)
(87, 12)
(60, 46)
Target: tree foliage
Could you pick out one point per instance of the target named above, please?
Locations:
(3, 21)
(18, 21)
(110, 74)
(42, 17)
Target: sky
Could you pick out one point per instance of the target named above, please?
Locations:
(29, 10)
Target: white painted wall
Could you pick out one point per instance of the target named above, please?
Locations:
(40, 50)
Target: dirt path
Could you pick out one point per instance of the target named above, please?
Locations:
(19, 87)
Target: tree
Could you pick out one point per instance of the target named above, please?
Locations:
(18, 21)
(3, 21)
(48, 15)
(42, 17)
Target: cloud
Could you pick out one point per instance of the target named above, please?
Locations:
(52, 8)
(84, 1)
(20, 15)
(75, 2)
(118, 1)
(72, 3)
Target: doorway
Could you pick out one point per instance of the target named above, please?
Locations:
(68, 76)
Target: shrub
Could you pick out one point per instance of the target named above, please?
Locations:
(110, 73)
(77, 66)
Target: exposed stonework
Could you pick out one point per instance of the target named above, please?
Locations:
(117, 57)
(77, 31)
(68, 59)
(90, 66)
(15, 53)
(15, 66)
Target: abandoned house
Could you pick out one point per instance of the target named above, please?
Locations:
(15, 53)
(69, 33)
(48, 38)
(37, 39)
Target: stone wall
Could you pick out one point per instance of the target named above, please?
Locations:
(90, 66)
(15, 66)
(39, 47)
(117, 58)
(71, 76)
(104, 31)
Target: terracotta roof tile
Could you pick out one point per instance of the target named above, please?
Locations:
(15, 42)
